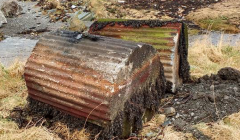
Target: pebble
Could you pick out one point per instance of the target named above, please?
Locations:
(170, 111)
(178, 115)
(212, 87)
(226, 97)
(192, 114)
(73, 6)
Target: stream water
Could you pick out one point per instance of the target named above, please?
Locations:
(217, 37)
(13, 48)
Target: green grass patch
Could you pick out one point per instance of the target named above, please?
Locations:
(218, 24)
(193, 31)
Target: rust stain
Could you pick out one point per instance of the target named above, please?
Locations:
(83, 76)
(165, 39)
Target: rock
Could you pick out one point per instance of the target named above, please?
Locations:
(226, 97)
(3, 20)
(212, 87)
(177, 116)
(235, 89)
(166, 123)
(211, 97)
(11, 9)
(76, 24)
(85, 16)
(170, 111)
(192, 114)
(229, 73)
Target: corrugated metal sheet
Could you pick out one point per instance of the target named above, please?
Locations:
(165, 39)
(86, 78)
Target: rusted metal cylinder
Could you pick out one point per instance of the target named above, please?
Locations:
(99, 79)
(170, 38)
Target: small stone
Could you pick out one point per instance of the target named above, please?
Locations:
(212, 87)
(235, 89)
(170, 111)
(166, 123)
(73, 6)
(213, 96)
(178, 103)
(192, 114)
(226, 97)
(178, 115)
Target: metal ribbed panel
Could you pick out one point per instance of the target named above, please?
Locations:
(84, 77)
(165, 39)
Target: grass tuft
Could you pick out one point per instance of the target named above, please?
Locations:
(13, 93)
(226, 129)
(205, 58)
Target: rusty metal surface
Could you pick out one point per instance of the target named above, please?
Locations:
(86, 78)
(165, 39)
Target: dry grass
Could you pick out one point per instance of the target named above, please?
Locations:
(61, 129)
(153, 130)
(11, 80)
(222, 16)
(226, 129)
(13, 94)
(10, 131)
(170, 134)
(205, 58)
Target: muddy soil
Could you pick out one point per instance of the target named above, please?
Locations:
(31, 23)
(172, 8)
(209, 99)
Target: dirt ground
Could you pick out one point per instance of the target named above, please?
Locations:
(212, 14)
(171, 8)
(209, 99)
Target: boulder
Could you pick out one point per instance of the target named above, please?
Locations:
(11, 9)
(229, 74)
(76, 24)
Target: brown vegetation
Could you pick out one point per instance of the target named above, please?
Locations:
(220, 16)
(205, 58)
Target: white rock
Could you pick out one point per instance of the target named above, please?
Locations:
(73, 6)
(178, 115)
(3, 20)
(192, 114)
(121, 1)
